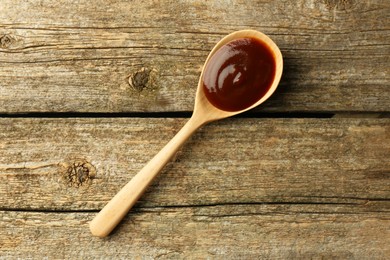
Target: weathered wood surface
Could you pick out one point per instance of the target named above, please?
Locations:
(243, 188)
(284, 160)
(297, 188)
(218, 232)
(61, 56)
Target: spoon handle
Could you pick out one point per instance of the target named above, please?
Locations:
(109, 217)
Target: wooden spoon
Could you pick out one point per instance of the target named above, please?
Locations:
(204, 112)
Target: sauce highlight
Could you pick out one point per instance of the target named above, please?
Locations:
(239, 74)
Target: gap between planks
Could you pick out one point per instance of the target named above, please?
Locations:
(140, 209)
(187, 114)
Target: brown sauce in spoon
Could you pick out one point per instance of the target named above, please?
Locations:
(239, 74)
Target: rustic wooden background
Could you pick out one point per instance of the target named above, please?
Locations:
(91, 90)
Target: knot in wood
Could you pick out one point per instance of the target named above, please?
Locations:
(6, 41)
(79, 173)
(341, 5)
(139, 79)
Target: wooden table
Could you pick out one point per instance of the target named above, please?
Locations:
(91, 90)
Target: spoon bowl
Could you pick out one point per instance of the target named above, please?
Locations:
(204, 112)
(202, 104)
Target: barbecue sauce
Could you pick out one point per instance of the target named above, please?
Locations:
(239, 74)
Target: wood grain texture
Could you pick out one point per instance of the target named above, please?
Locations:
(242, 188)
(228, 232)
(297, 188)
(62, 56)
(284, 160)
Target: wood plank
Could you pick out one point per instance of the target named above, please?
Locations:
(66, 57)
(220, 232)
(80, 163)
